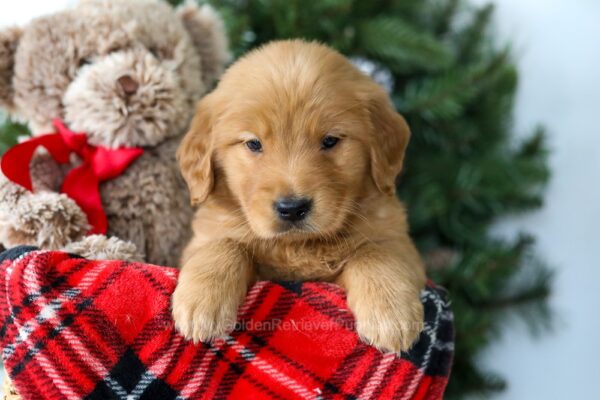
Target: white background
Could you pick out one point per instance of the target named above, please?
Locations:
(557, 43)
(557, 46)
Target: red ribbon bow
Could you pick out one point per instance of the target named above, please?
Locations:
(82, 184)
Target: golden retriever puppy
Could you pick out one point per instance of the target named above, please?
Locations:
(292, 159)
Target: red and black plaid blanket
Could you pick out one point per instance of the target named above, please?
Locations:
(74, 328)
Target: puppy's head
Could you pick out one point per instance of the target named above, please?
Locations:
(298, 136)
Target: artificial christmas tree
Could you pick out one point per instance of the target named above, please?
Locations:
(463, 172)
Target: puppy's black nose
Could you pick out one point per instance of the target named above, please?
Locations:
(292, 209)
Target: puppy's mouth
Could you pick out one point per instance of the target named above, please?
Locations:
(291, 228)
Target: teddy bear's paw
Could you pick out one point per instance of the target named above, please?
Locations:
(47, 220)
(100, 247)
(389, 322)
(201, 316)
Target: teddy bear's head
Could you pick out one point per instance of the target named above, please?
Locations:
(126, 72)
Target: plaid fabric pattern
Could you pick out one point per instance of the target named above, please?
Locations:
(78, 329)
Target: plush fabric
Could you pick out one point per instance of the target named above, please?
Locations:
(73, 328)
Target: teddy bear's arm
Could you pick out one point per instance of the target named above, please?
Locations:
(101, 247)
(45, 219)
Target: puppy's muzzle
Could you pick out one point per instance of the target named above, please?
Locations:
(292, 209)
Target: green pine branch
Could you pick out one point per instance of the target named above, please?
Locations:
(402, 47)
(443, 97)
(9, 132)
(471, 39)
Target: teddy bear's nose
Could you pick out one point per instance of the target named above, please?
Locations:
(128, 84)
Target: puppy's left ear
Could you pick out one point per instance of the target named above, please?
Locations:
(207, 31)
(389, 139)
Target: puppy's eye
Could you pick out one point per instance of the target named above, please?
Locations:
(329, 142)
(254, 145)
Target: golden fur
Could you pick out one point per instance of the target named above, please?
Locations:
(289, 95)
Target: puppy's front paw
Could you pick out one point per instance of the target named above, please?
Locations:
(201, 313)
(391, 322)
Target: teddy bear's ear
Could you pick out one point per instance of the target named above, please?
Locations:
(207, 31)
(9, 40)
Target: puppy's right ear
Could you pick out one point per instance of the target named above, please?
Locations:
(196, 152)
(9, 40)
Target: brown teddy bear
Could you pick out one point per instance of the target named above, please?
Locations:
(126, 73)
